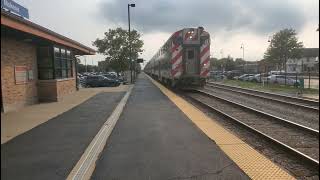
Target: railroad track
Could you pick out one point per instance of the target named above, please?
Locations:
(294, 101)
(300, 114)
(296, 139)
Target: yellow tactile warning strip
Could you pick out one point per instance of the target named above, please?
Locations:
(254, 164)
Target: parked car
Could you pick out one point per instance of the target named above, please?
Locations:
(232, 74)
(249, 78)
(122, 79)
(219, 77)
(82, 80)
(110, 76)
(101, 81)
(258, 78)
(243, 77)
(280, 79)
(275, 72)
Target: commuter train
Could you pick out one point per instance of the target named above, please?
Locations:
(184, 59)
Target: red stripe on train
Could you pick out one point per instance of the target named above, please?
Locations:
(174, 48)
(205, 73)
(204, 51)
(173, 60)
(205, 61)
(176, 69)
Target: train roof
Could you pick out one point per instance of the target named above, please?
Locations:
(187, 28)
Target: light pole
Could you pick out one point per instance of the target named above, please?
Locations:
(221, 52)
(242, 47)
(130, 57)
(85, 62)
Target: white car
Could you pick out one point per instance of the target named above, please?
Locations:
(259, 78)
(244, 77)
(249, 77)
(280, 79)
(275, 72)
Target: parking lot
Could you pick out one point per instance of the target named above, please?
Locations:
(102, 79)
(272, 77)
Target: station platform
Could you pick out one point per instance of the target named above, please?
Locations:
(154, 139)
(156, 135)
(51, 149)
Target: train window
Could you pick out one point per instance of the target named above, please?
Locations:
(190, 54)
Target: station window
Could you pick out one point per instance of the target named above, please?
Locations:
(54, 63)
(45, 63)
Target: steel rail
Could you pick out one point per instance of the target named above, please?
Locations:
(299, 154)
(315, 109)
(294, 100)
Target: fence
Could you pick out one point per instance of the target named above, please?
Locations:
(303, 80)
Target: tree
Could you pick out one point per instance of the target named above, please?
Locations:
(90, 68)
(239, 61)
(283, 45)
(115, 46)
(213, 64)
(226, 64)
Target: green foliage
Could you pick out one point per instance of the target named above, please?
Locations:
(239, 61)
(115, 46)
(228, 64)
(283, 45)
(138, 67)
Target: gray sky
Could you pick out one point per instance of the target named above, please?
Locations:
(230, 23)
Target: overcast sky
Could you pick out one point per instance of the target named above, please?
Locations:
(230, 23)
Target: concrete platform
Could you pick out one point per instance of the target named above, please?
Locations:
(153, 139)
(51, 150)
(18, 122)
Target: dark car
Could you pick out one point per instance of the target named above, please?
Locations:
(101, 81)
(82, 80)
(110, 76)
(121, 79)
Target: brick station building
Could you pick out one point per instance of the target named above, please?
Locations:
(37, 64)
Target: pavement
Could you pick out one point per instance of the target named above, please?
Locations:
(18, 122)
(311, 96)
(51, 149)
(153, 139)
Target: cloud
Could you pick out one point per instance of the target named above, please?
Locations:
(263, 16)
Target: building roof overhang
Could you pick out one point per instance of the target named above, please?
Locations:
(18, 23)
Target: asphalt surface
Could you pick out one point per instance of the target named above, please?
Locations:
(50, 150)
(154, 140)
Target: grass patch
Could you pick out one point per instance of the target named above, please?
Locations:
(277, 88)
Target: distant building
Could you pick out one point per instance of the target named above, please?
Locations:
(308, 62)
(251, 67)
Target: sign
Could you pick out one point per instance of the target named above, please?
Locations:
(15, 7)
(30, 74)
(21, 74)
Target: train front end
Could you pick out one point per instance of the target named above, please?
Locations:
(190, 57)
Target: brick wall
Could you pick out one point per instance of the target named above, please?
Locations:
(47, 90)
(65, 87)
(56, 89)
(19, 53)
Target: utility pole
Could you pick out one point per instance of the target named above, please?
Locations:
(242, 47)
(85, 63)
(92, 65)
(130, 51)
